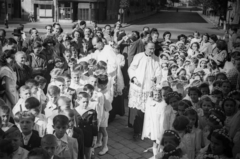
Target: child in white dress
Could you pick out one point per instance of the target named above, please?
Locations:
(192, 141)
(154, 120)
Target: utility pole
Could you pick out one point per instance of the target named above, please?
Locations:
(6, 17)
(55, 4)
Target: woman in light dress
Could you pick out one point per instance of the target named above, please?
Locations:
(8, 78)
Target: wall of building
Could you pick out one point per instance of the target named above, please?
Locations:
(112, 9)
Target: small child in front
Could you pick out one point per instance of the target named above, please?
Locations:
(6, 126)
(30, 138)
(154, 119)
(49, 143)
(25, 93)
(67, 146)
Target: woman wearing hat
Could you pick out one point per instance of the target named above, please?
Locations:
(17, 35)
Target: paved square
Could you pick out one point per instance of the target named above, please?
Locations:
(121, 144)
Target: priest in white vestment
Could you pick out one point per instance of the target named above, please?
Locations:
(143, 72)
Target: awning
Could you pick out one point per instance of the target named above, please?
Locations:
(43, 1)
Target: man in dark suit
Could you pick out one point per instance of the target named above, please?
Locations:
(138, 46)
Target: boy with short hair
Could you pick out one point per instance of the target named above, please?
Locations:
(67, 146)
(41, 81)
(40, 123)
(38, 153)
(49, 143)
(16, 138)
(68, 90)
(41, 87)
(30, 138)
(75, 132)
(86, 119)
(25, 93)
(53, 95)
(60, 83)
(7, 126)
(75, 74)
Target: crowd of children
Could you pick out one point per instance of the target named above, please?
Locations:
(60, 91)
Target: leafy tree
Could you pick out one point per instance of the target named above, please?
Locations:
(219, 6)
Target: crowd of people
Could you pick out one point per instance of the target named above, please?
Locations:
(59, 91)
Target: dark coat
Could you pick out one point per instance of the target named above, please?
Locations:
(34, 142)
(136, 47)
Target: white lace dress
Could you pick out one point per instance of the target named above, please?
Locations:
(143, 68)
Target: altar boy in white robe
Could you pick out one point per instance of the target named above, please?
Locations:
(143, 72)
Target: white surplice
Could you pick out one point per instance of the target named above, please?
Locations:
(144, 68)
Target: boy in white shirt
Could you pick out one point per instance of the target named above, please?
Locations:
(24, 94)
(53, 95)
(33, 105)
(75, 80)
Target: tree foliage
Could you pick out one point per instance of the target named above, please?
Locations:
(219, 6)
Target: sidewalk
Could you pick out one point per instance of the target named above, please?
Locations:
(68, 26)
(210, 19)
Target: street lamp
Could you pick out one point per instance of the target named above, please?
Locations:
(230, 8)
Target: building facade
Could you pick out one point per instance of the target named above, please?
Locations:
(56, 10)
(69, 10)
(14, 9)
(233, 13)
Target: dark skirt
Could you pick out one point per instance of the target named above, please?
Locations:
(135, 120)
(117, 107)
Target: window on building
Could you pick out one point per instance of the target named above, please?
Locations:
(45, 11)
(83, 13)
